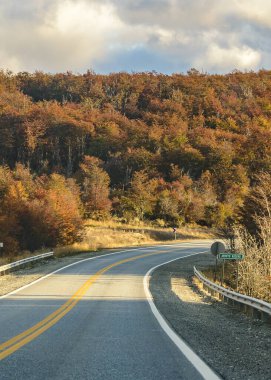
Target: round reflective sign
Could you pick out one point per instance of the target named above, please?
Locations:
(217, 248)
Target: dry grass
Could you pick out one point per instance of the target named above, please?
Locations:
(113, 234)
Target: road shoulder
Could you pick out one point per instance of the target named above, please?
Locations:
(232, 344)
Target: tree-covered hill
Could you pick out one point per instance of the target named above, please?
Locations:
(178, 149)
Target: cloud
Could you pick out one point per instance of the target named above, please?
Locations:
(65, 35)
(138, 35)
(221, 59)
(255, 11)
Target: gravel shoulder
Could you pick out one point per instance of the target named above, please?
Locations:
(232, 344)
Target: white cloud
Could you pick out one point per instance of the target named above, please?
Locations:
(257, 11)
(10, 62)
(70, 35)
(230, 58)
(86, 18)
(74, 35)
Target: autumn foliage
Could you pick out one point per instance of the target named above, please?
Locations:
(37, 212)
(179, 149)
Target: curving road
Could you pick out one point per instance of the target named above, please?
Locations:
(95, 320)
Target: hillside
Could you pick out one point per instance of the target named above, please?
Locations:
(173, 150)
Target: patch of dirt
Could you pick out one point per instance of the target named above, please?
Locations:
(181, 288)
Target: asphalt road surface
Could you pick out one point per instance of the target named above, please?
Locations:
(95, 320)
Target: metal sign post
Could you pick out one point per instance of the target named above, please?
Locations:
(223, 273)
(215, 268)
(216, 249)
(175, 232)
(237, 276)
(231, 256)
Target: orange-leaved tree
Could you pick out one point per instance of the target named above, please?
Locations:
(95, 188)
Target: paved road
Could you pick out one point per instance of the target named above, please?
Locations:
(92, 320)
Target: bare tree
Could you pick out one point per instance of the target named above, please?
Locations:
(255, 269)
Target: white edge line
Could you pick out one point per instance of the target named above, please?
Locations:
(90, 258)
(204, 370)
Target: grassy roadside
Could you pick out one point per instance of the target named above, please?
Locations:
(113, 234)
(229, 280)
(100, 235)
(215, 274)
(226, 278)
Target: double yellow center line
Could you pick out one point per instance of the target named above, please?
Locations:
(7, 348)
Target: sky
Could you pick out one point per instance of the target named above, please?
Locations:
(168, 36)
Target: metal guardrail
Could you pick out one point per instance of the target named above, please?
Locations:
(250, 304)
(8, 267)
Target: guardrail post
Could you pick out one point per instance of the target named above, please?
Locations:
(251, 306)
(265, 317)
(256, 313)
(241, 306)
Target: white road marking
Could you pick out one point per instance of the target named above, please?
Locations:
(91, 258)
(204, 370)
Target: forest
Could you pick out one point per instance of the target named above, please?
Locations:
(169, 149)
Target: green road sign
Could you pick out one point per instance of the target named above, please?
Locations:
(230, 256)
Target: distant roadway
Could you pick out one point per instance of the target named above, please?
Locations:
(95, 320)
